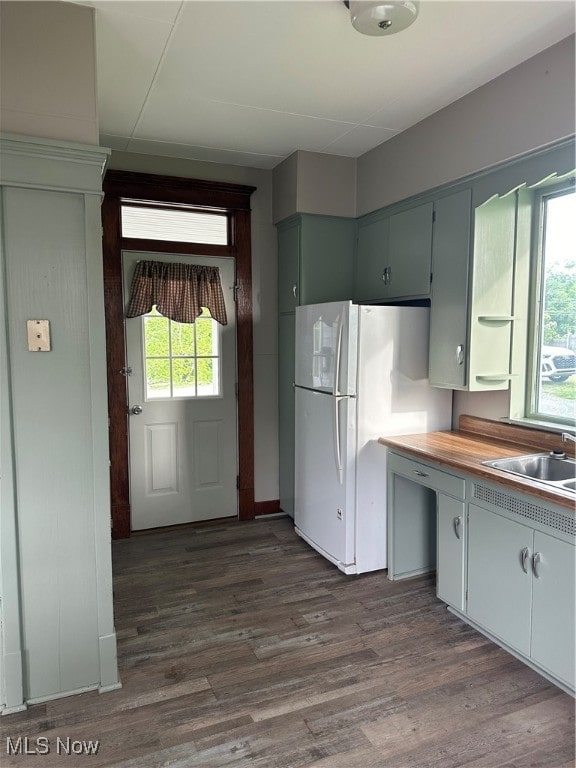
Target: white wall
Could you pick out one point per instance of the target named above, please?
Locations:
(264, 296)
(48, 70)
(524, 109)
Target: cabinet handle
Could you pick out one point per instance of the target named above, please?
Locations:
(524, 555)
(460, 354)
(419, 473)
(536, 560)
(294, 289)
(457, 522)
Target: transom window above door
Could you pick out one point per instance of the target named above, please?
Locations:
(181, 360)
(174, 224)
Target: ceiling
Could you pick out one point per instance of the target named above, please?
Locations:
(248, 82)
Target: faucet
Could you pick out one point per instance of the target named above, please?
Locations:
(559, 454)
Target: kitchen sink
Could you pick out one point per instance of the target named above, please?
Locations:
(543, 467)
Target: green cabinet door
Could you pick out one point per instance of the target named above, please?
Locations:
(371, 260)
(449, 293)
(409, 253)
(553, 642)
(315, 264)
(393, 255)
(288, 265)
(286, 338)
(451, 537)
(326, 258)
(315, 260)
(500, 576)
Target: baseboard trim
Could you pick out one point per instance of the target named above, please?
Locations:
(270, 507)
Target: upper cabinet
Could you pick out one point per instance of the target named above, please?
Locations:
(315, 260)
(393, 255)
(288, 266)
(371, 259)
(449, 295)
(409, 252)
(315, 264)
(472, 292)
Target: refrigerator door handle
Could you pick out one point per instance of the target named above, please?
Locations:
(337, 446)
(336, 383)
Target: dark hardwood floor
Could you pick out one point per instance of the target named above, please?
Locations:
(240, 646)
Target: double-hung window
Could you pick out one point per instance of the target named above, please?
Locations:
(550, 391)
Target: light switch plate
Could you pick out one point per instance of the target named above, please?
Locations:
(38, 335)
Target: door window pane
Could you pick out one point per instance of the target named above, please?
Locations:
(206, 377)
(181, 360)
(156, 335)
(205, 336)
(157, 378)
(184, 377)
(182, 336)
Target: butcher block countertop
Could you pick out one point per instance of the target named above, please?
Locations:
(479, 440)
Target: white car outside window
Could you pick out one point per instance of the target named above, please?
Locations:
(557, 363)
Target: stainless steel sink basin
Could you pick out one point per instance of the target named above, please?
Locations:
(543, 467)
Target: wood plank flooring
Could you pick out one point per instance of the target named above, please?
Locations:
(240, 646)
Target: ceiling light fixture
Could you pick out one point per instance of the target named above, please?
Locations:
(378, 17)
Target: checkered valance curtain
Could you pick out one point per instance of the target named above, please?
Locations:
(178, 290)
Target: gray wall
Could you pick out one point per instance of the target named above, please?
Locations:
(264, 296)
(313, 182)
(526, 108)
(55, 513)
(48, 70)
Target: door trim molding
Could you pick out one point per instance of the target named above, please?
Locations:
(235, 199)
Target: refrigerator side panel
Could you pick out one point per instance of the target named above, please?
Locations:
(394, 398)
(394, 392)
(325, 475)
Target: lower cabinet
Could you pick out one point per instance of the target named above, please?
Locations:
(505, 561)
(420, 492)
(451, 539)
(521, 589)
(553, 600)
(500, 576)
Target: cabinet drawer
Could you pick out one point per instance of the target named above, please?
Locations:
(428, 476)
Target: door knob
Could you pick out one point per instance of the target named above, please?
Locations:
(136, 410)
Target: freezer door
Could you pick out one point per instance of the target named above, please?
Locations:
(326, 347)
(324, 511)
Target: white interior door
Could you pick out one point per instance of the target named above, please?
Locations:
(183, 444)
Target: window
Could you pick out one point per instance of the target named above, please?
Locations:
(181, 360)
(551, 391)
(174, 224)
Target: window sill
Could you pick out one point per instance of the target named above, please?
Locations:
(543, 426)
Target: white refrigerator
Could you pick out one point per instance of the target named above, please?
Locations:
(361, 373)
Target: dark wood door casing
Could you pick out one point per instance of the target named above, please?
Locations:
(122, 186)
